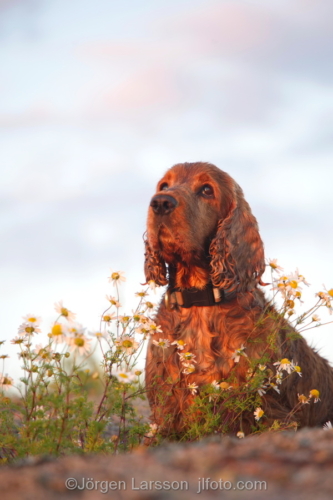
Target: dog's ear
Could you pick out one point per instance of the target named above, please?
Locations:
(237, 251)
(155, 268)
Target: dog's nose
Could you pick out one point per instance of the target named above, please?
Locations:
(163, 204)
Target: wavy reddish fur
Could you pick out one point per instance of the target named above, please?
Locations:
(217, 240)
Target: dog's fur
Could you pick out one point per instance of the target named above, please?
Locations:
(212, 237)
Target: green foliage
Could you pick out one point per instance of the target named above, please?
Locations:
(64, 406)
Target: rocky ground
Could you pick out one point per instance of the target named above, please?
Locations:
(284, 465)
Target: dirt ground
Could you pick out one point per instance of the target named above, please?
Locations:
(286, 465)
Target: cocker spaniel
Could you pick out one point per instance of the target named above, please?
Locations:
(217, 326)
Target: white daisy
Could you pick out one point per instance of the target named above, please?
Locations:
(238, 353)
(127, 344)
(284, 364)
(164, 343)
(258, 413)
(63, 311)
(125, 376)
(188, 368)
(193, 388)
(180, 344)
(117, 277)
(186, 357)
(274, 265)
(79, 343)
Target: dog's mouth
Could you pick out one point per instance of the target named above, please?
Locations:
(171, 246)
(169, 243)
(166, 238)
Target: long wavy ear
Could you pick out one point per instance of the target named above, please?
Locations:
(155, 268)
(237, 251)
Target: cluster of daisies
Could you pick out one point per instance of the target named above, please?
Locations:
(187, 359)
(290, 287)
(116, 330)
(289, 367)
(71, 333)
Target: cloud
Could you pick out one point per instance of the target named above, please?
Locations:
(295, 38)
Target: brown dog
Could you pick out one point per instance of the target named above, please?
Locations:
(203, 242)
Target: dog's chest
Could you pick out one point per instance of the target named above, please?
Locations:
(206, 333)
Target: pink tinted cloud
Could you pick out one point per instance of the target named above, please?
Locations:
(230, 27)
(155, 67)
(163, 69)
(137, 76)
(151, 87)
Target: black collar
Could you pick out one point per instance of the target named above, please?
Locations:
(186, 298)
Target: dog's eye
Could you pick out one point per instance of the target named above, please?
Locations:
(164, 186)
(207, 190)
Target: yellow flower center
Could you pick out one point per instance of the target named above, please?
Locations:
(273, 266)
(115, 276)
(285, 361)
(29, 329)
(32, 319)
(290, 304)
(293, 284)
(330, 292)
(150, 305)
(79, 341)
(6, 381)
(180, 342)
(127, 343)
(302, 398)
(224, 385)
(123, 375)
(64, 312)
(314, 393)
(297, 369)
(56, 330)
(106, 318)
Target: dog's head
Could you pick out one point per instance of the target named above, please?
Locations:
(199, 217)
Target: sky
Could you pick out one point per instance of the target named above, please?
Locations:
(98, 98)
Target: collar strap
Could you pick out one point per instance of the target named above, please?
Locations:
(186, 298)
